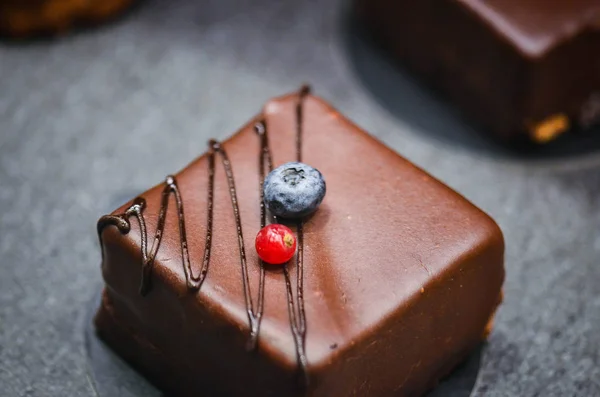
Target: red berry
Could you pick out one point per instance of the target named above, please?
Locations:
(275, 244)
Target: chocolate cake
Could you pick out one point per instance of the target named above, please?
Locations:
(519, 68)
(395, 279)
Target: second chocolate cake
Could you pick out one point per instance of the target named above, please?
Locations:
(519, 68)
(395, 279)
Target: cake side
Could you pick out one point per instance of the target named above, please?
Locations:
(385, 231)
(566, 84)
(164, 372)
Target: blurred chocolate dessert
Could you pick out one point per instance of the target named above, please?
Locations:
(519, 69)
(30, 18)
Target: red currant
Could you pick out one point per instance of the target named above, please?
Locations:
(275, 244)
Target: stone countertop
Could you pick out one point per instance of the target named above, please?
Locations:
(174, 73)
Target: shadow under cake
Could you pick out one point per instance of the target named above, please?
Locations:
(401, 275)
(519, 68)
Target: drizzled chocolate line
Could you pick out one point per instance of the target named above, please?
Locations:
(265, 154)
(136, 210)
(264, 158)
(296, 310)
(302, 93)
(254, 317)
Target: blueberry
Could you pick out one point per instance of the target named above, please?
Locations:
(294, 190)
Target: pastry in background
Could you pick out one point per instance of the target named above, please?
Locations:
(27, 18)
(521, 69)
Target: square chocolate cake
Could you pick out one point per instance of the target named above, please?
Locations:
(395, 278)
(519, 68)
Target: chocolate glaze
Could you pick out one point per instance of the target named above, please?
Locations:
(510, 65)
(396, 326)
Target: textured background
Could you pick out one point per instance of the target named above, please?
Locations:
(91, 120)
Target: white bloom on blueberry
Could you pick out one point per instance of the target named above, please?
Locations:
(294, 190)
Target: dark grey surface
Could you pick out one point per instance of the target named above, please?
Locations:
(177, 72)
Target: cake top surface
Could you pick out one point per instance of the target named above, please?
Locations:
(384, 233)
(536, 26)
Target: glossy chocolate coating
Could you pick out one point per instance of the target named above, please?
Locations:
(401, 274)
(508, 64)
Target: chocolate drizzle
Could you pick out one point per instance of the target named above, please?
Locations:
(302, 93)
(136, 210)
(296, 310)
(265, 155)
(254, 317)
